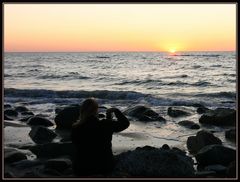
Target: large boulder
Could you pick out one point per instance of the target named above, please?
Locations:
(231, 134)
(36, 120)
(175, 112)
(21, 109)
(7, 118)
(143, 113)
(203, 138)
(40, 134)
(153, 162)
(189, 124)
(11, 113)
(219, 117)
(215, 154)
(202, 109)
(66, 117)
(7, 106)
(29, 113)
(50, 150)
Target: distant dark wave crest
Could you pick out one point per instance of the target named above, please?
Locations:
(218, 94)
(167, 100)
(102, 94)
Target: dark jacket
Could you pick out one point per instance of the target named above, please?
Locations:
(93, 147)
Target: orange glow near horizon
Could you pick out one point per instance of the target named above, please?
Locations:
(119, 27)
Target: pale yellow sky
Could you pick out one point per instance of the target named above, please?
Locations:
(119, 27)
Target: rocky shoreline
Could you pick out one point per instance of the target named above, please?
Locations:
(51, 148)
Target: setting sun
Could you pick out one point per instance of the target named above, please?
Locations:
(172, 50)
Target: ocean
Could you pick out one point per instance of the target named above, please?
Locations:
(44, 81)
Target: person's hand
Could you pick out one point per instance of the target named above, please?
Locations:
(109, 112)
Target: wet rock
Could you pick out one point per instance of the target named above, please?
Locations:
(174, 112)
(215, 154)
(21, 109)
(11, 112)
(202, 110)
(7, 106)
(66, 117)
(59, 165)
(165, 147)
(197, 105)
(52, 150)
(219, 117)
(143, 113)
(189, 124)
(152, 162)
(11, 156)
(36, 120)
(7, 118)
(147, 118)
(40, 134)
(62, 107)
(27, 113)
(231, 170)
(231, 134)
(203, 138)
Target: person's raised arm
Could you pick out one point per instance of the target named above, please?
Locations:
(122, 121)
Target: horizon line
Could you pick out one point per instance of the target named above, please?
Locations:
(113, 51)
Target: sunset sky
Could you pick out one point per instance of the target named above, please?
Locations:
(119, 27)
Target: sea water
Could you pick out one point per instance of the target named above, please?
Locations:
(45, 81)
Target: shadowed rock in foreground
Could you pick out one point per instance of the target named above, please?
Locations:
(203, 138)
(219, 117)
(50, 150)
(36, 120)
(215, 154)
(40, 134)
(153, 162)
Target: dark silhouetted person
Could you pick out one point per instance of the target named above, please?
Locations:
(92, 139)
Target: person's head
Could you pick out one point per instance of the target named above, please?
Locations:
(88, 108)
